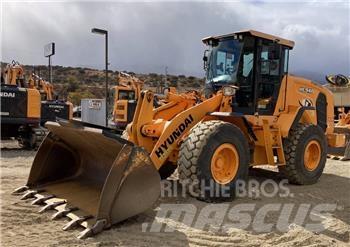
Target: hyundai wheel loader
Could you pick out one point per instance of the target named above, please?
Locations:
(255, 114)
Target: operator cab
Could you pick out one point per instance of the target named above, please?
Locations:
(255, 62)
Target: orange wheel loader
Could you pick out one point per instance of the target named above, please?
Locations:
(255, 114)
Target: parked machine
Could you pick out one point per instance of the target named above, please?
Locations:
(255, 114)
(124, 97)
(20, 108)
(51, 108)
(339, 85)
(26, 105)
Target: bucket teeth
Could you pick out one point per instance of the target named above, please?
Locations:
(63, 213)
(97, 228)
(29, 194)
(51, 206)
(20, 190)
(42, 199)
(85, 234)
(75, 222)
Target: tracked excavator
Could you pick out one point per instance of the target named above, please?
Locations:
(51, 107)
(255, 114)
(20, 108)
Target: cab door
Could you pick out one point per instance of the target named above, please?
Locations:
(270, 71)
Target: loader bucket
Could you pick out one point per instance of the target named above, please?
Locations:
(91, 176)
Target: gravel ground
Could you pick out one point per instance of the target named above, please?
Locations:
(21, 225)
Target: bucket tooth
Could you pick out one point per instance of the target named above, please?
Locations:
(86, 233)
(29, 194)
(97, 228)
(63, 213)
(51, 206)
(75, 222)
(20, 190)
(42, 199)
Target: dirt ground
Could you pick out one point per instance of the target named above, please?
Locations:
(22, 225)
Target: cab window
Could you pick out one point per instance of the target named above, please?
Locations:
(269, 76)
(126, 95)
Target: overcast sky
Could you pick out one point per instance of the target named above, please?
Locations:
(146, 37)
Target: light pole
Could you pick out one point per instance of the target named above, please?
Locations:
(49, 50)
(105, 33)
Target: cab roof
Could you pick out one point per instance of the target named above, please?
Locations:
(254, 33)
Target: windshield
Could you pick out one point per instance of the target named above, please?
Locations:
(126, 95)
(223, 62)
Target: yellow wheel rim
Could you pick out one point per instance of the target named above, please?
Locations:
(224, 163)
(312, 155)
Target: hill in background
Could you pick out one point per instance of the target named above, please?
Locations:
(75, 83)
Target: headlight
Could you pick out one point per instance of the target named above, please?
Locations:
(229, 90)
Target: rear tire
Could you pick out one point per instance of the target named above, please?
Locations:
(305, 151)
(199, 151)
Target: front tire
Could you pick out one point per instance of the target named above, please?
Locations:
(305, 151)
(212, 159)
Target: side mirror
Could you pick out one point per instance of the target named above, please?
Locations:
(205, 59)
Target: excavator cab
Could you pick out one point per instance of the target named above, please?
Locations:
(254, 62)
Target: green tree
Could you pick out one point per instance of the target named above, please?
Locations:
(75, 97)
(73, 84)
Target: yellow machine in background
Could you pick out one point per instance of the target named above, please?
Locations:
(255, 114)
(45, 88)
(125, 96)
(27, 104)
(20, 108)
(51, 108)
(13, 74)
(339, 85)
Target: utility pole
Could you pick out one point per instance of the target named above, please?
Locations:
(166, 75)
